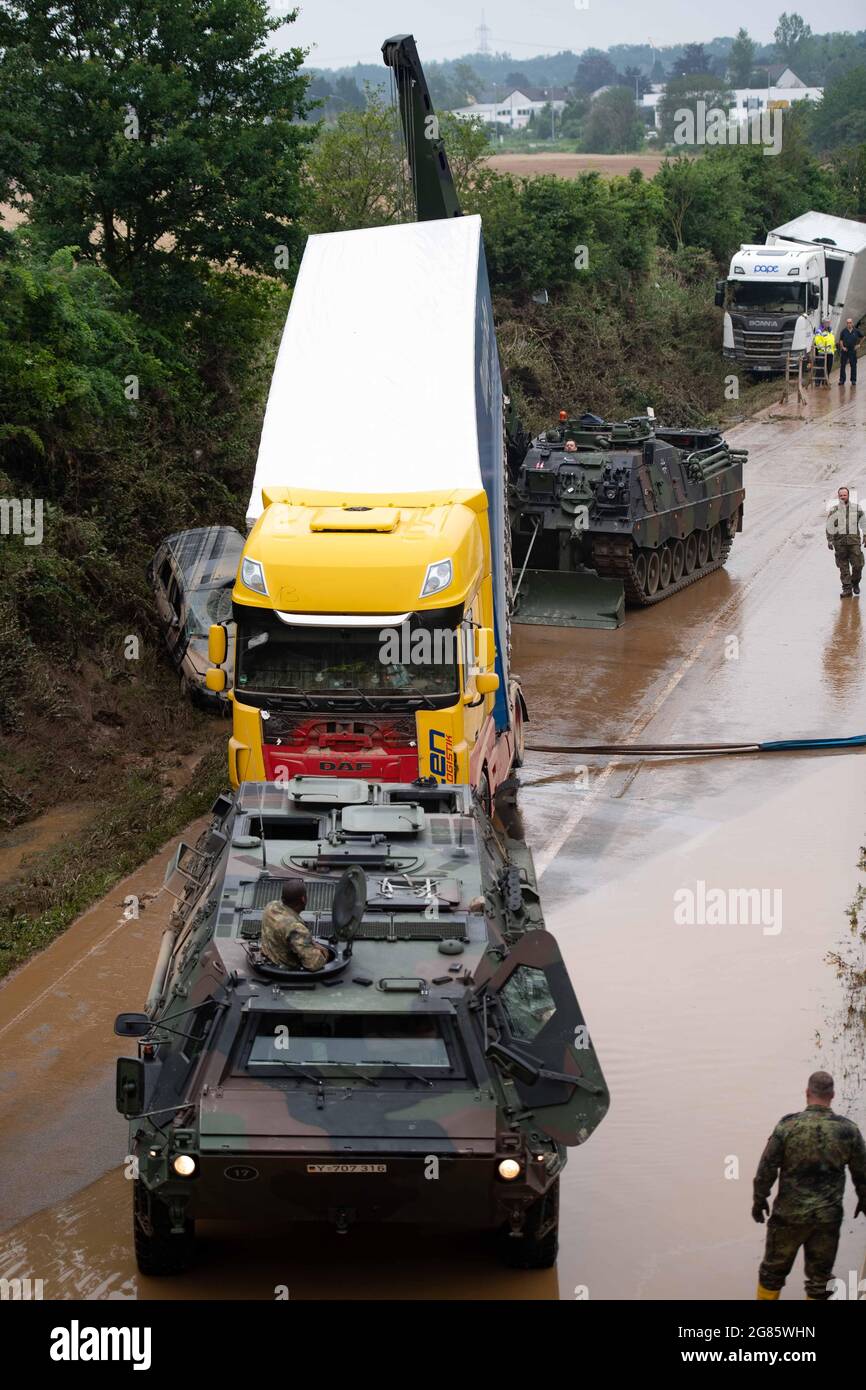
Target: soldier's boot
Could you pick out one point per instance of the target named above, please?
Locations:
(767, 1293)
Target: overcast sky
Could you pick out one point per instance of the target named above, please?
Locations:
(341, 32)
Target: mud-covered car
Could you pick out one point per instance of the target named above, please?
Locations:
(193, 574)
(435, 1069)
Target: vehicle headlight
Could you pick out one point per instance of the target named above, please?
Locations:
(253, 576)
(509, 1169)
(438, 576)
(184, 1165)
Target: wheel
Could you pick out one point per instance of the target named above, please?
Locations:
(691, 553)
(665, 566)
(159, 1251)
(715, 543)
(703, 548)
(640, 569)
(482, 791)
(531, 1250)
(678, 561)
(653, 571)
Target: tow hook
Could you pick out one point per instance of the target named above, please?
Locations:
(342, 1216)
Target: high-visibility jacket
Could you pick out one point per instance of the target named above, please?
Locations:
(825, 342)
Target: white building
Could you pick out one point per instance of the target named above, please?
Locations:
(786, 89)
(513, 110)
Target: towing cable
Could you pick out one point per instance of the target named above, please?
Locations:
(662, 750)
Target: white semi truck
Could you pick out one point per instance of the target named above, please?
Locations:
(810, 271)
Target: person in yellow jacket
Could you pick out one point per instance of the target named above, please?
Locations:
(825, 346)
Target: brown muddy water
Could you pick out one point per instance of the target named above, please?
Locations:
(706, 1030)
(41, 835)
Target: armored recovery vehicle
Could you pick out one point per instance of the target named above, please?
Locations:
(436, 1069)
(614, 513)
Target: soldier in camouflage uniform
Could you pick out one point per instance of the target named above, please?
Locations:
(286, 940)
(809, 1152)
(844, 520)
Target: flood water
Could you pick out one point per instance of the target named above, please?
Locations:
(706, 1032)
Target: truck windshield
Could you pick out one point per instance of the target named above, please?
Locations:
(274, 657)
(349, 1040)
(785, 297)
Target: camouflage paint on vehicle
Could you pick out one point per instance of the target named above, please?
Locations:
(647, 509)
(392, 1084)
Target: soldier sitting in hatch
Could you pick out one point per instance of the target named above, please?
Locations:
(286, 940)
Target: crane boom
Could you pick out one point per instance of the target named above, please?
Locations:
(432, 181)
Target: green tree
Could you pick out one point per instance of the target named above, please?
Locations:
(848, 173)
(156, 136)
(681, 96)
(693, 62)
(594, 70)
(790, 34)
(572, 118)
(702, 204)
(839, 118)
(613, 125)
(355, 170)
(741, 59)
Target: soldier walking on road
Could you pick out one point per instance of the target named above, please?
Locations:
(844, 522)
(286, 939)
(809, 1152)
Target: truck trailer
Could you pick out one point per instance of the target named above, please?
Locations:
(373, 598)
(810, 271)
(372, 603)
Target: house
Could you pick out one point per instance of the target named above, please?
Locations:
(514, 109)
(781, 76)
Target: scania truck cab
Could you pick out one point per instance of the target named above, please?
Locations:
(774, 300)
(811, 271)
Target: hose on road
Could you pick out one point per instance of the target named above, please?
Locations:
(661, 750)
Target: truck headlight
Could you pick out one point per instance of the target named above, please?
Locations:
(509, 1169)
(438, 576)
(184, 1165)
(253, 576)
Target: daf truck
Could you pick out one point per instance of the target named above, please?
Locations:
(372, 603)
(810, 271)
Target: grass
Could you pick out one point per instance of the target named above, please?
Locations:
(136, 823)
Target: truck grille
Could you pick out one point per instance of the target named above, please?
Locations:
(753, 346)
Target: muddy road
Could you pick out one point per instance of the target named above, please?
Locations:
(706, 1030)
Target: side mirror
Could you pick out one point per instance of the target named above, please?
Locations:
(217, 645)
(720, 294)
(215, 678)
(129, 1087)
(487, 684)
(485, 648)
(132, 1025)
(183, 872)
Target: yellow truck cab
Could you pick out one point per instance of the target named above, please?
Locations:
(372, 602)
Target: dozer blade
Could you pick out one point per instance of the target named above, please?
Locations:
(560, 598)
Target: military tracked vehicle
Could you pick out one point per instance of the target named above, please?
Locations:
(436, 1069)
(604, 514)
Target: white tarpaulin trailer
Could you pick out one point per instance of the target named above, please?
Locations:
(387, 378)
(843, 242)
(387, 381)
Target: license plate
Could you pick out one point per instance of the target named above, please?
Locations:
(347, 1167)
